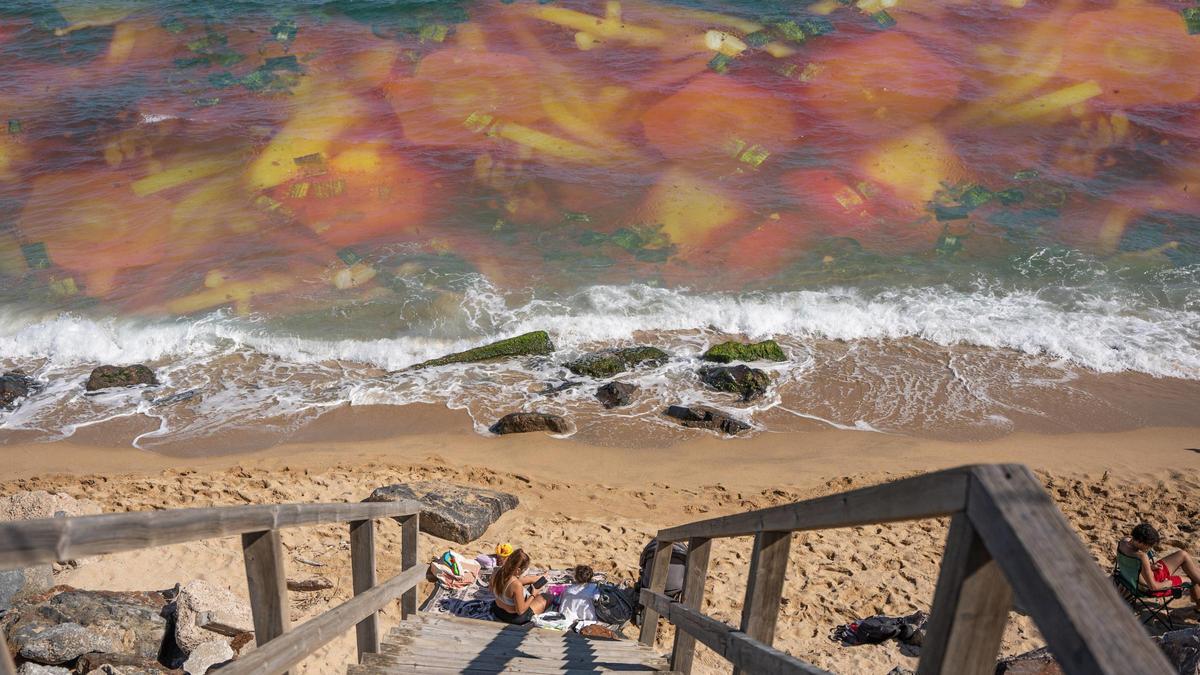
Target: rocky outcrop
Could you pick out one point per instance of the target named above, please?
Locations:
(1182, 648)
(728, 352)
(16, 585)
(19, 584)
(749, 383)
(14, 385)
(30, 668)
(206, 656)
(609, 362)
(536, 343)
(616, 394)
(528, 422)
(702, 417)
(205, 612)
(107, 377)
(64, 622)
(120, 664)
(459, 513)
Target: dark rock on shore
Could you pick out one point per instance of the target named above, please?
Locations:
(616, 394)
(107, 377)
(121, 663)
(527, 422)
(702, 417)
(18, 584)
(459, 513)
(1181, 647)
(556, 389)
(728, 352)
(14, 385)
(609, 362)
(65, 623)
(536, 343)
(749, 383)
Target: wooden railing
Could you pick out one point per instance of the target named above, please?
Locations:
(34, 542)
(1007, 539)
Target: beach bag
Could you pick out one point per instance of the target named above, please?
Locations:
(614, 604)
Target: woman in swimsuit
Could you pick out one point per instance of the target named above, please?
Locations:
(1135, 559)
(515, 603)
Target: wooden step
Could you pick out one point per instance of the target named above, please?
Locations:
(434, 657)
(442, 648)
(440, 670)
(572, 643)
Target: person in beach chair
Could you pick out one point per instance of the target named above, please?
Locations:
(1149, 584)
(518, 598)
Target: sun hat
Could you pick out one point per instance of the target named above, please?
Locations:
(504, 550)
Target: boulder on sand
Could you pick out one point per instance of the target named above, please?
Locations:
(205, 612)
(702, 417)
(18, 584)
(728, 352)
(536, 343)
(609, 362)
(206, 656)
(107, 377)
(14, 385)
(458, 513)
(749, 383)
(15, 585)
(120, 664)
(63, 623)
(527, 422)
(616, 394)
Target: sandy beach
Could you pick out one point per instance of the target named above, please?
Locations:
(586, 503)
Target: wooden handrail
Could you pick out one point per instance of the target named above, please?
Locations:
(1007, 538)
(33, 542)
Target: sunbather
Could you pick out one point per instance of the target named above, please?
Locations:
(1135, 560)
(517, 598)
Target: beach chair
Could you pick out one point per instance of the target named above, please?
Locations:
(1153, 605)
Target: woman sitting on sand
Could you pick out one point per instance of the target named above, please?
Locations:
(1135, 560)
(515, 603)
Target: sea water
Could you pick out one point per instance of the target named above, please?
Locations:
(958, 219)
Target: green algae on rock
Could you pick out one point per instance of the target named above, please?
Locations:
(749, 383)
(728, 352)
(609, 362)
(536, 343)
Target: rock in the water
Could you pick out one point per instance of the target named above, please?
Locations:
(616, 394)
(728, 352)
(536, 343)
(107, 377)
(205, 612)
(206, 656)
(609, 362)
(702, 417)
(65, 619)
(14, 385)
(31, 668)
(459, 513)
(749, 383)
(120, 664)
(18, 584)
(526, 422)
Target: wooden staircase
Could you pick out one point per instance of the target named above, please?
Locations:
(428, 644)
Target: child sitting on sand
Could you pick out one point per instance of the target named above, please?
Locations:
(1135, 560)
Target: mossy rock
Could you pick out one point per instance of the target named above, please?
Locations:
(749, 383)
(728, 352)
(536, 343)
(107, 377)
(609, 362)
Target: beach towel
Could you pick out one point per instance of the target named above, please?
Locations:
(474, 601)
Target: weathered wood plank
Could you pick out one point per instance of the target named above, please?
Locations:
(267, 581)
(506, 641)
(409, 531)
(658, 584)
(33, 542)
(927, 496)
(684, 650)
(293, 646)
(733, 645)
(438, 652)
(764, 588)
(970, 608)
(7, 667)
(363, 575)
(1087, 626)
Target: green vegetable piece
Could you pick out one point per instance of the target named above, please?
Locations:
(435, 32)
(1010, 196)
(720, 63)
(790, 31)
(14, 127)
(975, 196)
(1191, 19)
(728, 352)
(817, 25)
(884, 19)
(758, 38)
(755, 155)
(64, 287)
(478, 122)
(536, 343)
(36, 256)
(349, 257)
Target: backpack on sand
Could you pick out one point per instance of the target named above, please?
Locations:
(614, 604)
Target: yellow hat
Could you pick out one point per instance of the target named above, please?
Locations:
(504, 550)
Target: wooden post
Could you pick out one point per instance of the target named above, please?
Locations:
(768, 566)
(409, 528)
(970, 607)
(684, 650)
(658, 584)
(7, 667)
(265, 575)
(362, 568)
